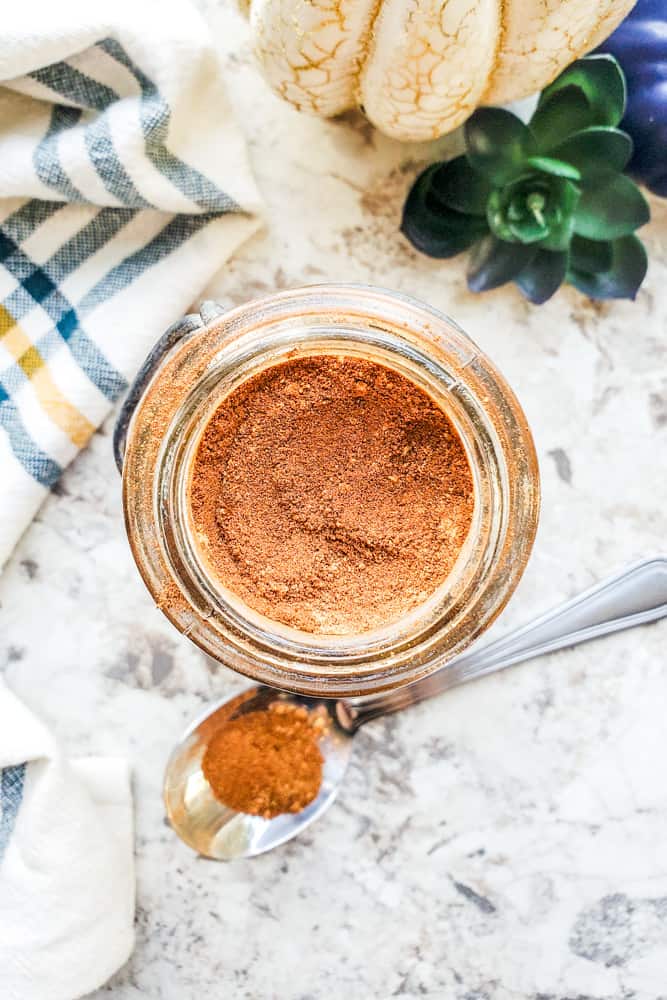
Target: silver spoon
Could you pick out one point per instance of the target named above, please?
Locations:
(633, 597)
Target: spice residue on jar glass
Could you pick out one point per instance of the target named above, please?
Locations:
(266, 762)
(331, 494)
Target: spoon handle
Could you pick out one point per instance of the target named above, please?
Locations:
(633, 597)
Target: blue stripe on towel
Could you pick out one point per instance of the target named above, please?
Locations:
(71, 84)
(170, 237)
(103, 156)
(46, 158)
(155, 118)
(36, 462)
(75, 86)
(87, 241)
(12, 781)
(25, 220)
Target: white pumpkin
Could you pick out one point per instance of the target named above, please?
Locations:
(419, 68)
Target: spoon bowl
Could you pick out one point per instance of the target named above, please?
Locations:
(221, 833)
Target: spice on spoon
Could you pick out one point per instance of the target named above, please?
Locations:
(266, 763)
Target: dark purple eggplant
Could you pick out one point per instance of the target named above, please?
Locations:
(640, 45)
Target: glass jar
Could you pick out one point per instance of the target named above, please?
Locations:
(202, 359)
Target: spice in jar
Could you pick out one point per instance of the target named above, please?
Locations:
(266, 762)
(331, 493)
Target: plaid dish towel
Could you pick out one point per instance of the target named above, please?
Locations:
(124, 186)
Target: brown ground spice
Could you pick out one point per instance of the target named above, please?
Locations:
(331, 493)
(266, 763)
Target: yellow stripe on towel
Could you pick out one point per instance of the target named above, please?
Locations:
(63, 413)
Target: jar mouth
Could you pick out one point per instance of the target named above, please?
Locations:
(195, 570)
(432, 353)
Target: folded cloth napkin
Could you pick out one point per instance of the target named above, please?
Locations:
(124, 187)
(66, 863)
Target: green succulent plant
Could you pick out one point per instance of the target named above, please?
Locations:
(541, 203)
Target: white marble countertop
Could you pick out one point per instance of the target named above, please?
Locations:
(507, 842)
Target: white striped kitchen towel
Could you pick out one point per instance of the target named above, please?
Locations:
(124, 186)
(66, 863)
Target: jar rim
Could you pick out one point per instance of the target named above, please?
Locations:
(432, 350)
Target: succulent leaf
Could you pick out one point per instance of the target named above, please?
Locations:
(596, 150)
(566, 196)
(494, 262)
(622, 279)
(602, 82)
(460, 188)
(607, 211)
(557, 167)
(497, 143)
(567, 112)
(434, 229)
(542, 276)
(593, 256)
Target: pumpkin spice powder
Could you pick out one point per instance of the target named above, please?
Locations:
(331, 494)
(266, 762)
